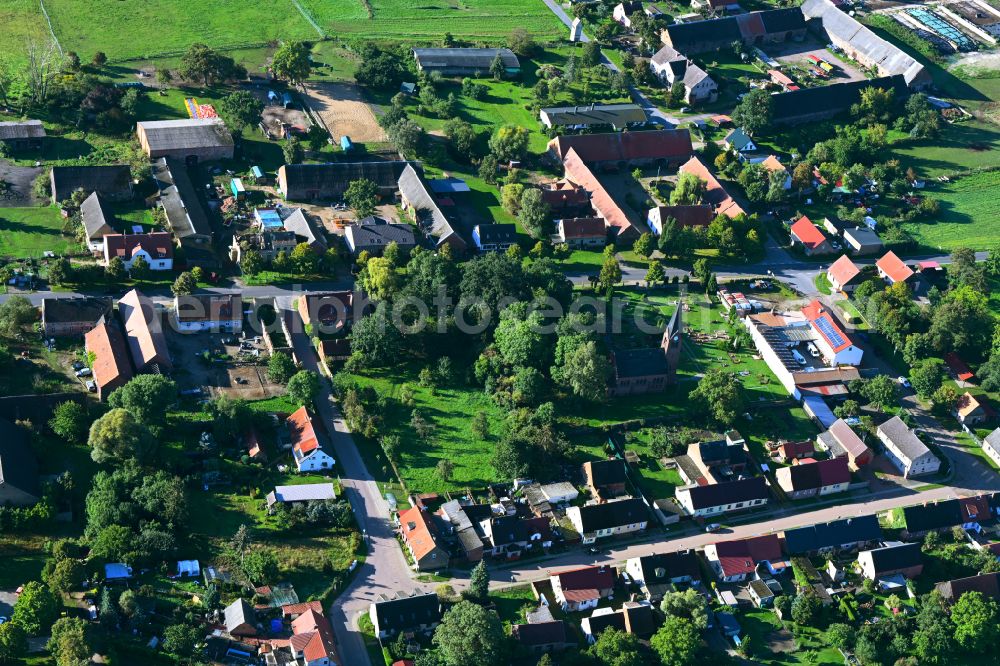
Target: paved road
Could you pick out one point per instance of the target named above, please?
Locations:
(163, 294)
(385, 570)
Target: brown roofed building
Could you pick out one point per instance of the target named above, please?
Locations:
(542, 637)
(332, 310)
(615, 218)
(809, 479)
(715, 194)
(420, 534)
(841, 441)
(156, 248)
(73, 316)
(986, 584)
(144, 333)
(566, 199)
(580, 589)
(582, 232)
(671, 146)
(605, 478)
(111, 367)
(312, 642)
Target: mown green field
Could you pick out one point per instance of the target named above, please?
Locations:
(138, 29)
(29, 232)
(21, 22)
(959, 147)
(428, 21)
(969, 214)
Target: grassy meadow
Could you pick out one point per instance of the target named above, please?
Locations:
(968, 216)
(29, 232)
(22, 23)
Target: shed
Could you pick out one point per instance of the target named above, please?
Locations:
(188, 568)
(117, 571)
(345, 143)
(236, 187)
(241, 620)
(256, 172)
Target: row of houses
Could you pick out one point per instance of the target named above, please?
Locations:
(816, 241)
(311, 641)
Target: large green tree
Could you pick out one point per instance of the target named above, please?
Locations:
(753, 112)
(70, 421)
(280, 367)
(509, 142)
(585, 370)
(519, 337)
(977, 622)
(15, 314)
(146, 397)
(291, 62)
(36, 608)
(303, 387)
(362, 196)
(689, 604)
(117, 436)
(13, 643)
(676, 642)
(241, 109)
(470, 635)
(617, 648)
(718, 395)
(70, 642)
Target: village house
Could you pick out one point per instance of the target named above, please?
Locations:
(605, 478)
(301, 494)
(144, 333)
(597, 521)
(580, 589)
(309, 452)
(697, 215)
(616, 116)
(672, 67)
(862, 241)
(891, 559)
(113, 183)
(494, 237)
(240, 619)
(418, 613)
(329, 181)
(582, 232)
(991, 446)
(566, 200)
(63, 317)
(843, 274)
(831, 340)
(787, 451)
(715, 194)
(773, 165)
(305, 231)
(972, 410)
(840, 441)
(719, 498)
(809, 237)
(465, 61)
(892, 269)
(987, 584)
(905, 450)
(19, 485)
(752, 29)
(111, 367)
(155, 248)
(739, 142)
(511, 536)
(373, 235)
(623, 12)
(209, 312)
(541, 637)
(970, 513)
(201, 139)
(419, 532)
(616, 150)
(737, 560)
(422, 205)
(186, 216)
(22, 135)
(838, 535)
(636, 618)
(312, 642)
(655, 575)
(96, 216)
(761, 593)
(459, 524)
(820, 478)
(266, 243)
(328, 311)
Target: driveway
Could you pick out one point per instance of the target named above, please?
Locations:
(19, 180)
(7, 601)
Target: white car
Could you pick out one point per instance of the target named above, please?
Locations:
(713, 527)
(799, 358)
(813, 350)
(84, 372)
(903, 381)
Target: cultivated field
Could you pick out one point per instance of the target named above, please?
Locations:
(404, 20)
(968, 217)
(344, 112)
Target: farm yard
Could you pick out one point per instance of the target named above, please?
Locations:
(344, 112)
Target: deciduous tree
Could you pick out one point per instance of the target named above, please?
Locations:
(470, 635)
(291, 62)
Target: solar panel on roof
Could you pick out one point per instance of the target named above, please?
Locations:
(827, 328)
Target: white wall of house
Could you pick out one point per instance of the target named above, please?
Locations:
(315, 461)
(991, 452)
(683, 496)
(849, 356)
(154, 264)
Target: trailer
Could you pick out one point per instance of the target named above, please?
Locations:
(345, 143)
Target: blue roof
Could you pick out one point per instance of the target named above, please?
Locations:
(117, 570)
(257, 173)
(820, 410)
(268, 219)
(345, 142)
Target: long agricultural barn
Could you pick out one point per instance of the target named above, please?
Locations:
(454, 62)
(310, 182)
(203, 139)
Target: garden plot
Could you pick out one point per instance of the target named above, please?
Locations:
(344, 112)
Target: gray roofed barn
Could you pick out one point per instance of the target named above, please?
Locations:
(464, 60)
(309, 182)
(592, 115)
(114, 182)
(306, 492)
(375, 235)
(304, 230)
(18, 468)
(23, 134)
(810, 104)
(241, 620)
(185, 214)
(425, 211)
(204, 139)
(773, 25)
(97, 217)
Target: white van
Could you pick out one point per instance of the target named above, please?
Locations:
(799, 358)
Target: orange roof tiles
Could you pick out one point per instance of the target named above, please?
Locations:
(418, 531)
(625, 146)
(715, 193)
(958, 367)
(815, 312)
(808, 233)
(111, 362)
(843, 270)
(894, 268)
(772, 163)
(302, 431)
(605, 205)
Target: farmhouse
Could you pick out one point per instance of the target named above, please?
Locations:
(987, 584)
(306, 492)
(423, 208)
(331, 310)
(736, 560)
(843, 274)
(111, 366)
(739, 142)
(617, 116)
(824, 477)
(580, 589)
(620, 149)
(835, 346)
(510, 536)
(862, 241)
(906, 452)
(565, 199)
(114, 183)
(328, 182)
(539, 637)
(754, 28)
(308, 451)
(209, 312)
(18, 469)
(658, 574)
(305, 231)
(73, 316)
(203, 139)
(623, 228)
(96, 216)
(624, 10)
(813, 104)
(971, 410)
(840, 441)
(806, 235)
(991, 446)
(582, 232)
(185, 214)
(144, 333)
(670, 67)
(892, 269)
(596, 521)
(718, 498)
(464, 61)
(420, 533)
(373, 235)
(891, 559)
(494, 237)
(418, 613)
(715, 194)
(605, 478)
(22, 135)
(837, 535)
(156, 249)
(312, 642)
(697, 215)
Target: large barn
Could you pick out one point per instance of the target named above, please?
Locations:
(197, 138)
(459, 61)
(327, 182)
(753, 29)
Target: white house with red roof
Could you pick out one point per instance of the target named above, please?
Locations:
(737, 560)
(312, 642)
(307, 450)
(892, 269)
(156, 248)
(582, 589)
(843, 274)
(831, 340)
(809, 237)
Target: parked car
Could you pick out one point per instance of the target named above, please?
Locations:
(813, 351)
(77, 365)
(713, 527)
(91, 385)
(904, 382)
(799, 358)
(84, 372)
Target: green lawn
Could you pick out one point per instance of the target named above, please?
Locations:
(29, 232)
(968, 216)
(811, 646)
(22, 22)
(656, 479)
(958, 147)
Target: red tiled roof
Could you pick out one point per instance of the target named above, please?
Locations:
(894, 268)
(313, 635)
(602, 201)
(772, 163)
(110, 354)
(715, 193)
(302, 431)
(815, 312)
(847, 438)
(418, 532)
(742, 555)
(808, 233)
(780, 77)
(583, 227)
(625, 146)
(688, 216)
(958, 367)
(562, 194)
(586, 583)
(975, 508)
(289, 610)
(843, 270)
(158, 245)
(796, 449)
(833, 471)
